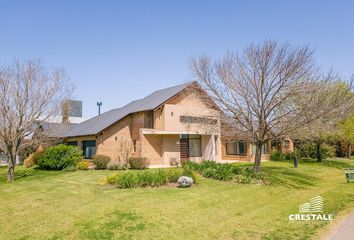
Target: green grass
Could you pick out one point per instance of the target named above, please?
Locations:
(72, 205)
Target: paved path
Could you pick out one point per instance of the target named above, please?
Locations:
(345, 230)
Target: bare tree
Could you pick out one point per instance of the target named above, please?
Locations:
(258, 89)
(28, 93)
(125, 149)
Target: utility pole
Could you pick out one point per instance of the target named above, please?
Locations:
(99, 104)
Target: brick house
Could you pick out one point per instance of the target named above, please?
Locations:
(166, 126)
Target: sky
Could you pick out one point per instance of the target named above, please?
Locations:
(119, 51)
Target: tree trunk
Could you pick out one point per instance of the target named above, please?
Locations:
(319, 153)
(11, 171)
(11, 167)
(349, 153)
(296, 162)
(257, 159)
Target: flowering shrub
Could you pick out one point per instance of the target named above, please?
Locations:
(101, 161)
(83, 165)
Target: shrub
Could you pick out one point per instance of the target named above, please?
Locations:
(244, 179)
(188, 171)
(277, 155)
(101, 161)
(145, 178)
(138, 163)
(204, 164)
(32, 159)
(289, 156)
(59, 157)
(151, 178)
(309, 150)
(35, 156)
(218, 171)
(114, 165)
(208, 172)
(83, 165)
(184, 182)
(29, 162)
(125, 180)
(159, 178)
(173, 174)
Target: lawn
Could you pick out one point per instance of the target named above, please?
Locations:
(72, 205)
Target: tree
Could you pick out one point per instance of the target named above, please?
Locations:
(258, 89)
(346, 133)
(125, 149)
(325, 128)
(28, 93)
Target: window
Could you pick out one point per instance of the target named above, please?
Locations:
(236, 148)
(89, 149)
(72, 143)
(148, 119)
(264, 149)
(195, 146)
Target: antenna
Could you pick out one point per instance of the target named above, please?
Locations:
(99, 104)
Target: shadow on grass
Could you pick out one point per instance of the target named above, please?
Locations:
(21, 172)
(289, 178)
(340, 164)
(116, 224)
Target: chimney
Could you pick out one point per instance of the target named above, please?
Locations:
(71, 108)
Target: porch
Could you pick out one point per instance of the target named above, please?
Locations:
(166, 148)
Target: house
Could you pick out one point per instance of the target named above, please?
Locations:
(165, 127)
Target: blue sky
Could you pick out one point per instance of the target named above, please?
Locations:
(118, 51)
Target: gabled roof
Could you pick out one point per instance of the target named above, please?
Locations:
(96, 124)
(57, 130)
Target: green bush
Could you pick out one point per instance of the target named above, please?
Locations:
(277, 155)
(159, 178)
(173, 174)
(59, 157)
(290, 156)
(212, 169)
(138, 163)
(244, 179)
(223, 172)
(154, 178)
(101, 161)
(188, 171)
(126, 180)
(83, 165)
(114, 165)
(309, 150)
(145, 178)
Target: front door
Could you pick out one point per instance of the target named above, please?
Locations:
(89, 149)
(184, 148)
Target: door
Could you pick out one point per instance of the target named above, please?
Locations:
(184, 148)
(89, 149)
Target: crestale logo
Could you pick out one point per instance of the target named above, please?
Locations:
(311, 211)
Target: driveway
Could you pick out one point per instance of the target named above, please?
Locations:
(345, 230)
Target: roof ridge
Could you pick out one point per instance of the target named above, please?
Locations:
(96, 124)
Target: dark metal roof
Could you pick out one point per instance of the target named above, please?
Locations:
(96, 124)
(56, 130)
